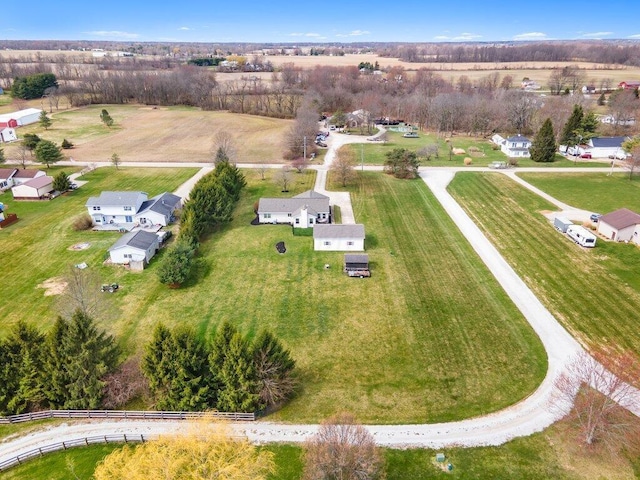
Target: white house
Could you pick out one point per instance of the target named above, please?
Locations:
(303, 211)
(126, 209)
(339, 237)
(8, 134)
(516, 146)
(24, 175)
(6, 177)
(20, 118)
(605, 147)
(34, 189)
(622, 225)
(137, 246)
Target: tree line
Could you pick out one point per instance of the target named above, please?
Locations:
(228, 374)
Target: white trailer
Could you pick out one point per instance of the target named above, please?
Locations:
(581, 236)
(562, 223)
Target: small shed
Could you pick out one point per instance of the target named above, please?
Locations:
(562, 223)
(7, 134)
(132, 247)
(338, 237)
(357, 265)
(35, 189)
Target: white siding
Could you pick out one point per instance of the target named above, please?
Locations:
(127, 254)
(338, 244)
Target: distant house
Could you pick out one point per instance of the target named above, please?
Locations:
(35, 189)
(629, 85)
(24, 175)
(622, 225)
(621, 121)
(603, 147)
(128, 209)
(516, 146)
(6, 177)
(20, 118)
(303, 211)
(7, 134)
(339, 238)
(589, 89)
(133, 247)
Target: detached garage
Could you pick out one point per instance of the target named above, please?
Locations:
(134, 247)
(338, 238)
(34, 189)
(622, 225)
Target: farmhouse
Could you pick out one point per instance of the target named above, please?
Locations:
(301, 211)
(604, 147)
(516, 146)
(339, 238)
(6, 177)
(133, 247)
(7, 134)
(24, 175)
(130, 209)
(34, 189)
(622, 225)
(20, 118)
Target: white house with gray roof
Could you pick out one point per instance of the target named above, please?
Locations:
(339, 238)
(129, 209)
(132, 247)
(304, 210)
(516, 146)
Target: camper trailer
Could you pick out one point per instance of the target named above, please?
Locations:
(581, 236)
(562, 224)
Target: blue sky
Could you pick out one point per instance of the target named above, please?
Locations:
(307, 21)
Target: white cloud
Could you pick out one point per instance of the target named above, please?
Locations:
(530, 36)
(113, 34)
(354, 33)
(184, 28)
(310, 34)
(461, 37)
(637, 35)
(596, 35)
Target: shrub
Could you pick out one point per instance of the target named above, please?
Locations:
(468, 161)
(513, 161)
(66, 144)
(82, 222)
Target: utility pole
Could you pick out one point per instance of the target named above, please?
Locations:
(362, 156)
(304, 146)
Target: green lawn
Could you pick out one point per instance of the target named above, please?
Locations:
(595, 293)
(374, 152)
(597, 192)
(547, 455)
(430, 337)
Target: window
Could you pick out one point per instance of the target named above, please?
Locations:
(350, 244)
(288, 214)
(327, 243)
(128, 255)
(128, 219)
(311, 221)
(297, 221)
(128, 209)
(96, 209)
(267, 215)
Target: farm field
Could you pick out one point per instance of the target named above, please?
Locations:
(550, 454)
(598, 192)
(581, 287)
(430, 337)
(374, 153)
(160, 134)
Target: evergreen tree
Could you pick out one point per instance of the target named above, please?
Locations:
(30, 141)
(66, 144)
(237, 377)
(175, 265)
(48, 152)
(44, 120)
(543, 148)
(221, 156)
(601, 99)
(61, 182)
(568, 136)
(106, 118)
(55, 365)
(274, 370)
(2, 157)
(191, 386)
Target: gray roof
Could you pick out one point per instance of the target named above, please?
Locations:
(310, 194)
(619, 219)
(115, 199)
(164, 204)
(140, 239)
(518, 138)
(338, 231)
(292, 205)
(608, 142)
(356, 258)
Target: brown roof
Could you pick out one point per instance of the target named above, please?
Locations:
(24, 173)
(6, 172)
(620, 219)
(39, 182)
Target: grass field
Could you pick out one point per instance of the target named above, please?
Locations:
(160, 134)
(594, 293)
(598, 192)
(374, 153)
(431, 337)
(541, 456)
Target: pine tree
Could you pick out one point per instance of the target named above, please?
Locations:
(55, 364)
(44, 120)
(274, 370)
(543, 148)
(574, 122)
(601, 99)
(106, 118)
(238, 378)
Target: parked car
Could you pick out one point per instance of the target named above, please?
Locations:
(73, 186)
(321, 144)
(586, 155)
(594, 217)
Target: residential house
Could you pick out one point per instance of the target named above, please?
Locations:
(339, 237)
(24, 175)
(605, 147)
(516, 146)
(629, 85)
(622, 225)
(129, 209)
(7, 134)
(139, 246)
(34, 189)
(6, 177)
(303, 211)
(587, 89)
(620, 121)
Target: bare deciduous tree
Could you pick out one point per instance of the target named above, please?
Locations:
(632, 161)
(594, 399)
(125, 384)
(342, 449)
(344, 166)
(82, 293)
(262, 170)
(283, 178)
(224, 148)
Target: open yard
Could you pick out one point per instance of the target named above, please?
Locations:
(595, 293)
(160, 134)
(598, 192)
(479, 149)
(430, 337)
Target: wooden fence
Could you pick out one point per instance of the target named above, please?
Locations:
(119, 414)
